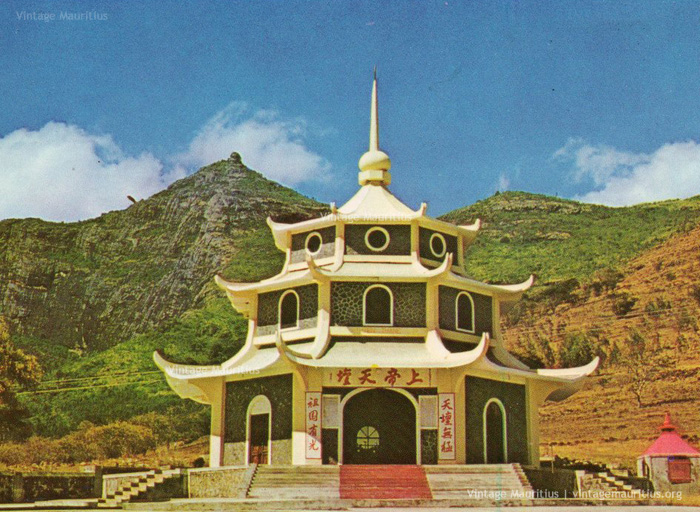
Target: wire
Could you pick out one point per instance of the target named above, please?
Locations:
(44, 391)
(98, 377)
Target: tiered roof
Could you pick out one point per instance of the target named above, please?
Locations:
(372, 204)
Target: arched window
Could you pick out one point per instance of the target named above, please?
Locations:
(378, 306)
(464, 312)
(495, 433)
(289, 310)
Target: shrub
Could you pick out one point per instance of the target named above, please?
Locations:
(695, 293)
(623, 304)
(12, 454)
(537, 352)
(577, 349)
(606, 279)
(657, 305)
(117, 439)
(161, 426)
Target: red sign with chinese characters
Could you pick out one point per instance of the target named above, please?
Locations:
(313, 425)
(446, 426)
(379, 377)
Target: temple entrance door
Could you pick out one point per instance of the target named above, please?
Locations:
(379, 427)
(259, 437)
(495, 434)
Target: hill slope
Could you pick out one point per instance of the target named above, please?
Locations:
(557, 239)
(94, 299)
(661, 291)
(94, 284)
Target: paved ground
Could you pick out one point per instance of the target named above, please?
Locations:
(67, 506)
(492, 509)
(637, 508)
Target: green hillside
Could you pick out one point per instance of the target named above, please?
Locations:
(95, 299)
(558, 239)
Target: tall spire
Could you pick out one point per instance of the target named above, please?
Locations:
(374, 164)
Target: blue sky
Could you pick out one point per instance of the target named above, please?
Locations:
(593, 100)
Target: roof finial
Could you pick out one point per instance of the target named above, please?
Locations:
(375, 164)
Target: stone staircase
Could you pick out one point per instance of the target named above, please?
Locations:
(606, 482)
(359, 482)
(482, 481)
(387, 482)
(295, 482)
(136, 485)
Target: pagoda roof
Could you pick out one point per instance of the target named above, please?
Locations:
(670, 443)
(395, 354)
(255, 361)
(412, 270)
(371, 204)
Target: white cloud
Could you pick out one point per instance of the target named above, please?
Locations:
(622, 179)
(63, 173)
(60, 172)
(273, 146)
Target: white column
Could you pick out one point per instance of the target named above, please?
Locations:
(218, 424)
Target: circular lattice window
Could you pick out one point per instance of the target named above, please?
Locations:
(377, 239)
(437, 245)
(367, 438)
(313, 243)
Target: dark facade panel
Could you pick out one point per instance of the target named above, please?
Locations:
(483, 310)
(478, 392)
(429, 446)
(451, 245)
(399, 239)
(327, 247)
(268, 304)
(329, 445)
(277, 389)
(409, 303)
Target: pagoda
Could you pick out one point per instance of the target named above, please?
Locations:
(670, 462)
(372, 346)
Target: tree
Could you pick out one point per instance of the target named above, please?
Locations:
(17, 370)
(643, 361)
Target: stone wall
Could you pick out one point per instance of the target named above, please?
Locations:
(478, 393)
(658, 473)
(30, 487)
(409, 303)
(399, 239)
(429, 446)
(327, 246)
(483, 306)
(278, 390)
(425, 250)
(223, 482)
(268, 308)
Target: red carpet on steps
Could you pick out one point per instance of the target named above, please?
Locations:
(383, 482)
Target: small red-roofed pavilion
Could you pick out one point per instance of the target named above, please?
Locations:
(671, 463)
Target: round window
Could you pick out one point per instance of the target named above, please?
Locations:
(367, 438)
(313, 243)
(377, 239)
(437, 245)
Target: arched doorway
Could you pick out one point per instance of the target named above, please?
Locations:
(258, 426)
(495, 433)
(379, 427)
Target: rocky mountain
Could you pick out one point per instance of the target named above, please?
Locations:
(91, 285)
